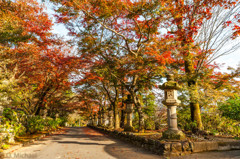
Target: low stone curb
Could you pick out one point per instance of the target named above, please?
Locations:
(26, 143)
(167, 149)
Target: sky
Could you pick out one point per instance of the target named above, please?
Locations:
(231, 60)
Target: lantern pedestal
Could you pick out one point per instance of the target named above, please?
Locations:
(129, 111)
(128, 126)
(99, 119)
(104, 119)
(95, 120)
(110, 126)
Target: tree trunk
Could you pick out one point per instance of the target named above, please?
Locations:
(122, 122)
(140, 114)
(141, 121)
(123, 114)
(194, 96)
(194, 105)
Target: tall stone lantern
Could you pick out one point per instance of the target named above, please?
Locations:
(45, 111)
(99, 118)
(90, 121)
(104, 117)
(94, 120)
(110, 114)
(170, 94)
(129, 111)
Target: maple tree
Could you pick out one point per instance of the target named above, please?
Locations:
(186, 19)
(38, 61)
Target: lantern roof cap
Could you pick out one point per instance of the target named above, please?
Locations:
(170, 84)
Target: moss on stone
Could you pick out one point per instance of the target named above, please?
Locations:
(174, 135)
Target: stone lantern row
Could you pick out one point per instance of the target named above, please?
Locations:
(101, 119)
(170, 100)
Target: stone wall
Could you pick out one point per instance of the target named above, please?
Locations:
(171, 148)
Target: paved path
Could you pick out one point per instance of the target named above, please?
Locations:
(86, 143)
(81, 143)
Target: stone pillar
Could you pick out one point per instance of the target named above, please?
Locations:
(110, 126)
(129, 111)
(170, 90)
(95, 120)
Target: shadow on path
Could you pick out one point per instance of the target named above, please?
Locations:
(81, 143)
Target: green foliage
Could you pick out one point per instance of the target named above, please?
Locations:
(10, 114)
(149, 111)
(217, 124)
(10, 121)
(184, 120)
(231, 109)
(54, 124)
(37, 124)
(5, 146)
(22, 124)
(213, 123)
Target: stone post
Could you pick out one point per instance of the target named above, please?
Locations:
(110, 114)
(170, 91)
(129, 111)
(95, 120)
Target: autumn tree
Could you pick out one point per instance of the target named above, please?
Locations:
(32, 56)
(187, 18)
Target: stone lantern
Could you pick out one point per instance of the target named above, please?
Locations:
(170, 94)
(56, 115)
(99, 118)
(104, 117)
(129, 111)
(110, 114)
(95, 120)
(90, 121)
(45, 113)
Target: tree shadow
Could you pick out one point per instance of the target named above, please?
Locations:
(123, 150)
(76, 142)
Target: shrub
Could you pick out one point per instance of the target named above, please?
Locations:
(213, 122)
(231, 109)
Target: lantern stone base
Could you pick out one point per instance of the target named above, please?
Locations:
(129, 128)
(174, 135)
